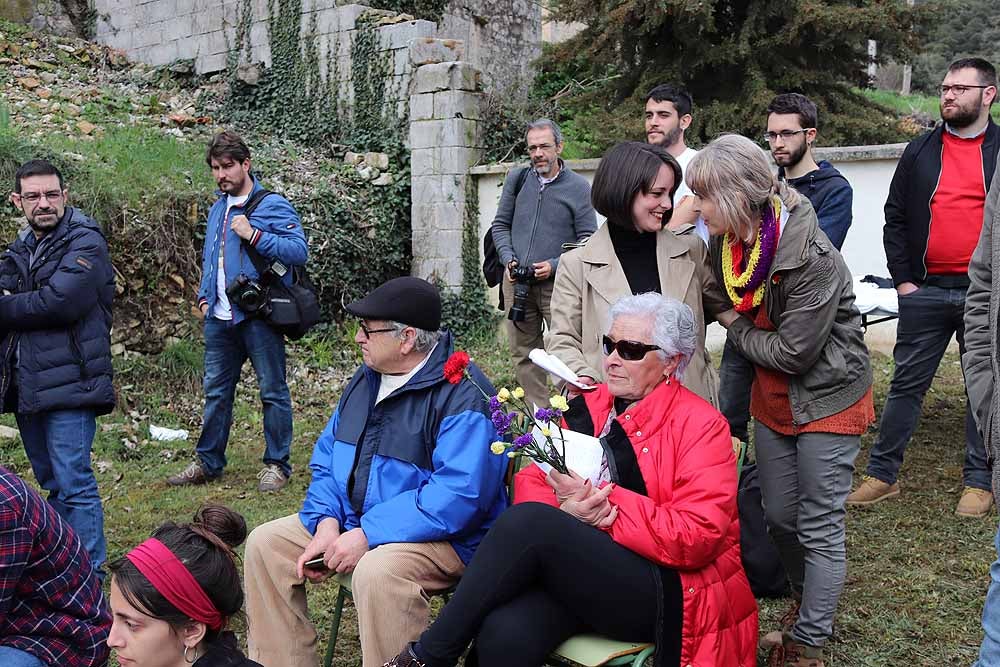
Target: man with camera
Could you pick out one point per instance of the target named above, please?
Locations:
(230, 299)
(541, 207)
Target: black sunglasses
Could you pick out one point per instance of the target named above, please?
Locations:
(629, 350)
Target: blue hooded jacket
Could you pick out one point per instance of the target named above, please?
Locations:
(831, 197)
(417, 467)
(278, 235)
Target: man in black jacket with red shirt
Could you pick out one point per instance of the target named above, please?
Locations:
(933, 217)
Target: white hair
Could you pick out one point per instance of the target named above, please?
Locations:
(671, 321)
(424, 340)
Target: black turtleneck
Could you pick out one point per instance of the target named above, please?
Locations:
(637, 253)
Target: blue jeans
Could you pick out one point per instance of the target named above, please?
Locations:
(989, 652)
(227, 347)
(12, 657)
(58, 445)
(735, 380)
(927, 320)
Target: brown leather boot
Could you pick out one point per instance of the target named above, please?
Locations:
(800, 655)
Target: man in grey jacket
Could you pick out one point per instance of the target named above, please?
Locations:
(982, 372)
(541, 207)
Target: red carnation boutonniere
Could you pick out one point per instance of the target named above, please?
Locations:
(776, 278)
(454, 368)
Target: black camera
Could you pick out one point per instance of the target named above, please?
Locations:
(247, 294)
(252, 296)
(524, 277)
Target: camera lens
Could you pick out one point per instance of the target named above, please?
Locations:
(519, 308)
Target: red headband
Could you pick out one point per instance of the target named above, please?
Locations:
(175, 582)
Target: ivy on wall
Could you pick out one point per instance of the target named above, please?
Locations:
(359, 232)
(467, 312)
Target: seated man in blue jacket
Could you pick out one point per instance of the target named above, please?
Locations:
(404, 488)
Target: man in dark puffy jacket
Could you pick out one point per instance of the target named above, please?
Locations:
(55, 320)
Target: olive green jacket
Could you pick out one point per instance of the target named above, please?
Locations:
(818, 341)
(982, 307)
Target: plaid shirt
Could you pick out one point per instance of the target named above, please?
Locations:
(51, 604)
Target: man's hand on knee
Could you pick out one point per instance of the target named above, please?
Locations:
(327, 532)
(348, 550)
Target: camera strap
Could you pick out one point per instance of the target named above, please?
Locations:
(258, 261)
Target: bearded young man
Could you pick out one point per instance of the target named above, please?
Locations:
(792, 124)
(933, 219)
(667, 117)
(233, 335)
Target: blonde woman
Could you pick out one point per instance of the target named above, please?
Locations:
(794, 318)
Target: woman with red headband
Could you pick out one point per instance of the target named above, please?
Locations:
(173, 595)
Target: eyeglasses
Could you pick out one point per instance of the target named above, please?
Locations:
(771, 137)
(629, 350)
(35, 197)
(369, 332)
(540, 147)
(959, 90)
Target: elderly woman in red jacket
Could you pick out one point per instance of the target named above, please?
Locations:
(651, 554)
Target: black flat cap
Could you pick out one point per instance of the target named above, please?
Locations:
(407, 300)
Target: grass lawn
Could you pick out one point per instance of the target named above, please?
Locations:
(917, 574)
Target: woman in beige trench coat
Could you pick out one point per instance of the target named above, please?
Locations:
(633, 252)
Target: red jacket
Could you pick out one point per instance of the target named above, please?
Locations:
(689, 520)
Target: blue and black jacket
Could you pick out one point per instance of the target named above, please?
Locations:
(417, 467)
(831, 197)
(277, 235)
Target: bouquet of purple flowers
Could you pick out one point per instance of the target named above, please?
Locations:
(537, 434)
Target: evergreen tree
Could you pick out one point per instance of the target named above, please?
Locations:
(733, 56)
(963, 28)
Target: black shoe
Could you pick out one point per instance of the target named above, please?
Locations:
(406, 658)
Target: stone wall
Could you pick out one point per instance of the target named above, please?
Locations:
(44, 15)
(445, 109)
(501, 38)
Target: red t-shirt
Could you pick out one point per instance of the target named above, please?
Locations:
(957, 206)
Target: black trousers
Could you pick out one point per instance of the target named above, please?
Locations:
(541, 576)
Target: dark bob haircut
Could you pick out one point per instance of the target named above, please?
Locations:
(205, 546)
(626, 170)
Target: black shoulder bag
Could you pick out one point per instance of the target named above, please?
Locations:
(492, 268)
(291, 309)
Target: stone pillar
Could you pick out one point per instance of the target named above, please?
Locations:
(445, 113)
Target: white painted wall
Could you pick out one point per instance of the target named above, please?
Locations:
(868, 169)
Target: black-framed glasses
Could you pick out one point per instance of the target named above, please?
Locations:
(629, 350)
(958, 89)
(35, 197)
(369, 332)
(785, 135)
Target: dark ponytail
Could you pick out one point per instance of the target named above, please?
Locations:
(205, 546)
